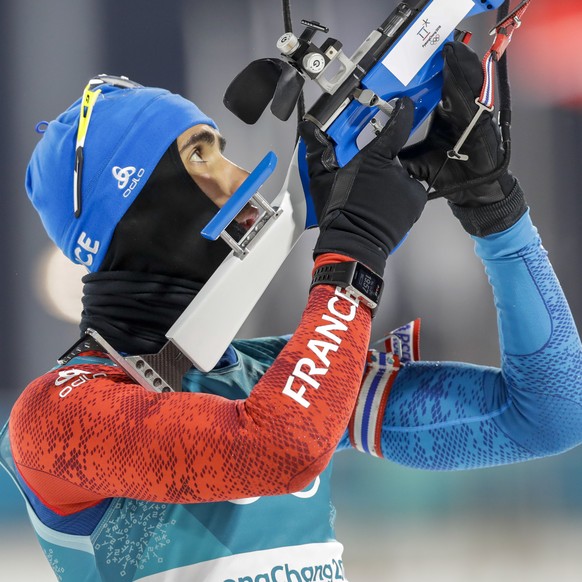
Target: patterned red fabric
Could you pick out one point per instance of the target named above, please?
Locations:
(81, 434)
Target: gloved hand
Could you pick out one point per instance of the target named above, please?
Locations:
(365, 208)
(487, 208)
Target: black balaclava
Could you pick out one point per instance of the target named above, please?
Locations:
(156, 263)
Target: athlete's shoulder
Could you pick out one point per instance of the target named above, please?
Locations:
(52, 388)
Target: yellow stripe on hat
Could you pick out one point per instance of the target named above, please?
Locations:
(89, 99)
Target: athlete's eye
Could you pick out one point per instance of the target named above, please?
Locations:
(195, 157)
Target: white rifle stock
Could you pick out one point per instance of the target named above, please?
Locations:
(214, 317)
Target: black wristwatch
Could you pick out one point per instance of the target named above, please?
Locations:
(356, 278)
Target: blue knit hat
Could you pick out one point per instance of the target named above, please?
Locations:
(129, 131)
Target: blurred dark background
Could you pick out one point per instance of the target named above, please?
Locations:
(397, 524)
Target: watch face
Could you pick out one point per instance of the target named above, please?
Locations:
(367, 282)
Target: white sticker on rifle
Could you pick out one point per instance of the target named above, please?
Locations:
(424, 37)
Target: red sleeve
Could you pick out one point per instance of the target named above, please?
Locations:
(99, 435)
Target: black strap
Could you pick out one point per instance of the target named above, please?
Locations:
(288, 25)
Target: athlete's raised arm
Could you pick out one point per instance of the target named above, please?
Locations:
(443, 415)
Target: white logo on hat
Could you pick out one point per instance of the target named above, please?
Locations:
(122, 175)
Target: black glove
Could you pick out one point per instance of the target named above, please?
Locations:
(486, 208)
(365, 208)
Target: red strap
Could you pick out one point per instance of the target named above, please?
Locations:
(503, 33)
(330, 259)
(505, 29)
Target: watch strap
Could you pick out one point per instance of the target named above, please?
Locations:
(346, 275)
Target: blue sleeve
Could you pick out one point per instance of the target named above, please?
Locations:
(448, 416)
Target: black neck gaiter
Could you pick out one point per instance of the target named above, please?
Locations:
(156, 262)
(133, 311)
